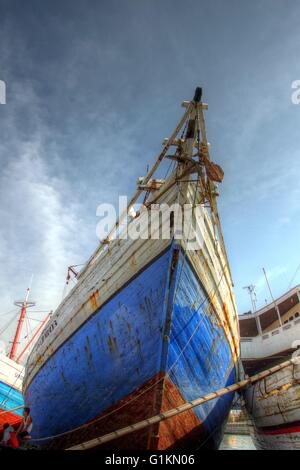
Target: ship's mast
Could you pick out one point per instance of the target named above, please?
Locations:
(23, 305)
(216, 175)
(252, 294)
(274, 301)
(33, 337)
(209, 172)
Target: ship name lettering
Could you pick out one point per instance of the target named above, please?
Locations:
(47, 332)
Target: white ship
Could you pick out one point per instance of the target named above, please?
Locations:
(269, 337)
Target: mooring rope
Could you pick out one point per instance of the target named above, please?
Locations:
(217, 428)
(182, 408)
(11, 410)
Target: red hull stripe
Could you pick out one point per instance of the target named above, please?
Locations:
(286, 428)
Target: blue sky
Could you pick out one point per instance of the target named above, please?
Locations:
(92, 89)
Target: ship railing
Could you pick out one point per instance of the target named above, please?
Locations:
(269, 342)
(276, 331)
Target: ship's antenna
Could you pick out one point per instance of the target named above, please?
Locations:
(253, 297)
(23, 304)
(274, 302)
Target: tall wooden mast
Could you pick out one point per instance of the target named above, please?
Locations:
(209, 173)
(23, 304)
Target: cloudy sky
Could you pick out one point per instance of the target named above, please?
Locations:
(92, 89)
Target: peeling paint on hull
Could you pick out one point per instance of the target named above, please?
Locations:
(133, 342)
(273, 405)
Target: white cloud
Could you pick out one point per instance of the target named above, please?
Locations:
(282, 221)
(41, 229)
(41, 217)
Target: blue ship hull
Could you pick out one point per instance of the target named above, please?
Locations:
(156, 343)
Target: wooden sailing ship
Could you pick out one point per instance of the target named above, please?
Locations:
(150, 322)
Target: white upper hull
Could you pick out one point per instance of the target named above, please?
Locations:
(116, 265)
(11, 373)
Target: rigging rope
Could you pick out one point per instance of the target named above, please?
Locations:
(7, 313)
(294, 277)
(7, 325)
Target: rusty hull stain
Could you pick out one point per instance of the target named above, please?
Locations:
(93, 300)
